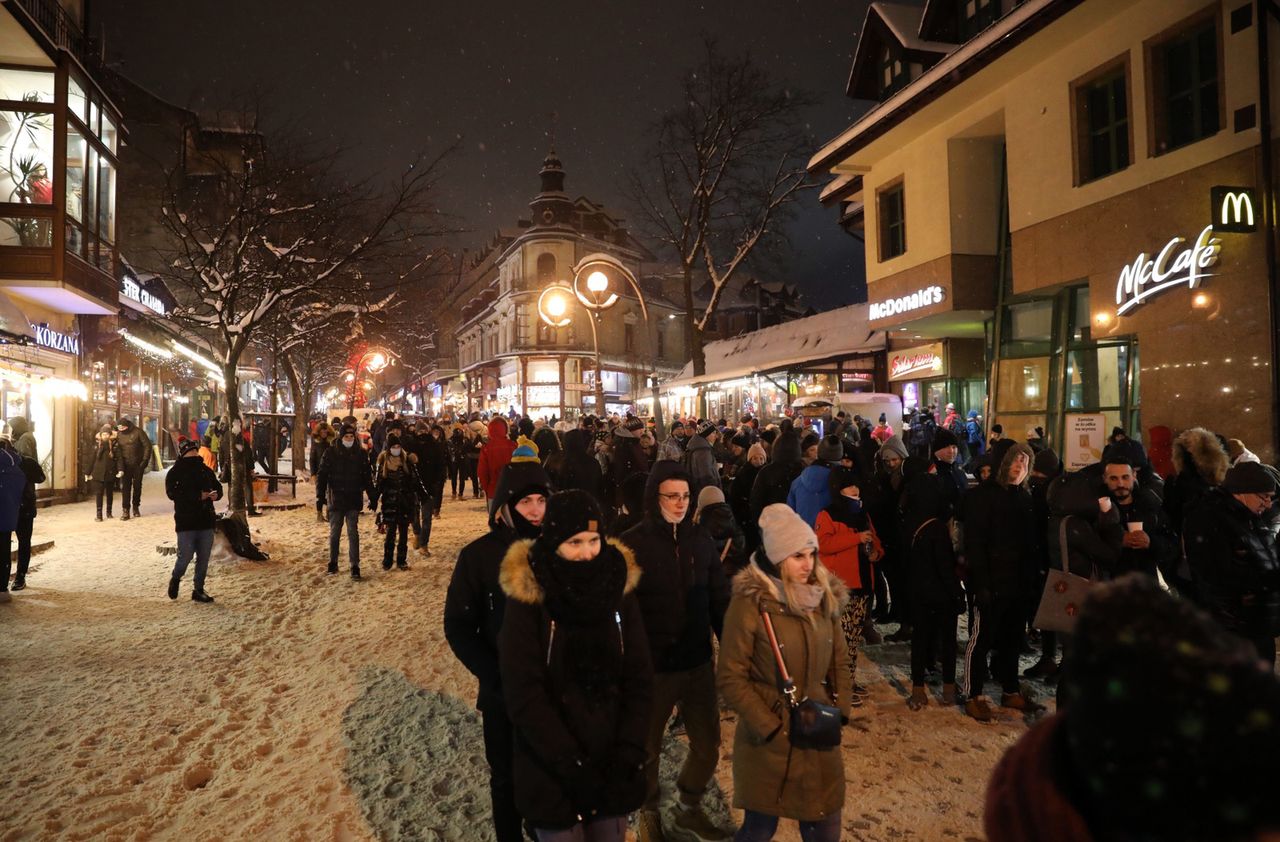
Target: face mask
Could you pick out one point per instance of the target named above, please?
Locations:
(395, 451)
(346, 443)
(855, 505)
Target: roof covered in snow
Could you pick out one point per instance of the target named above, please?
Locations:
(825, 336)
(904, 22)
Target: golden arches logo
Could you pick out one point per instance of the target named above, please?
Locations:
(1237, 209)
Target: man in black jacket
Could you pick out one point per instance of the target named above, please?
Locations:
(135, 457)
(683, 595)
(345, 479)
(1148, 544)
(192, 487)
(473, 617)
(33, 474)
(1232, 555)
(773, 482)
(998, 547)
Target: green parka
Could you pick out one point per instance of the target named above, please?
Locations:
(812, 786)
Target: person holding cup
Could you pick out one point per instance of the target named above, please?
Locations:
(1147, 544)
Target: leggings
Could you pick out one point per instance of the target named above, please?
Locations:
(934, 630)
(851, 620)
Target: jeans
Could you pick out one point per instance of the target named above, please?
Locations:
(199, 542)
(455, 474)
(25, 524)
(422, 520)
(695, 692)
(499, 743)
(352, 519)
(933, 629)
(610, 829)
(759, 827)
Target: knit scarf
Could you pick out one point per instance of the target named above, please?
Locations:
(807, 597)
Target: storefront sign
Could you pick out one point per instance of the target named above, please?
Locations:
(1086, 436)
(916, 363)
(1172, 267)
(46, 337)
(130, 289)
(1232, 208)
(926, 297)
(544, 395)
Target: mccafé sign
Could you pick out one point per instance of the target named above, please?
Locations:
(926, 297)
(1179, 263)
(915, 363)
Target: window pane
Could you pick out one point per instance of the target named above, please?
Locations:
(75, 238)
(1031, 321)
(106, 200)
(1208, 110)
(77, 148)
(77, 103)
(1096, 377)
(27, 231)
(93, 117)
(1023, 385)
(26, 85)
(90, 192)
(1081, 319)
(109, 132)
(26, 157)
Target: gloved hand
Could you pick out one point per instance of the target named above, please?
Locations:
(119, 474)
(87, 478)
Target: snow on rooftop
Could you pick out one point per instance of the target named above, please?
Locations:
(904, 22)
(835, 333)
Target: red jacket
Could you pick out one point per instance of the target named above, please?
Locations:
(494, 456)
(838, 548)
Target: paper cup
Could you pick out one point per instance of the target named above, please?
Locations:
(1135, 526)
(1104, 503)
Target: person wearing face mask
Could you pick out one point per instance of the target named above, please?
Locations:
(345, 479)
(850, 549)
(473, 616)
(998, 547)
(773, 779)
(1232, 556)
(102, 468)
(683, 597)
(397, 489)
(576, 676)
(135, 458)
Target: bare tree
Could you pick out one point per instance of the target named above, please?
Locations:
(725, 169)
(273, 229)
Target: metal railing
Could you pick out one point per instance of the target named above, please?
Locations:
(58, 26)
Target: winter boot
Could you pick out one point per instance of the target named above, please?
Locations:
(902, 635)
(125, 514)
(949, 695)
(979, 707)
(173, 588)
(99, 517)
(1043, 668)
(355, 575)
(870, 634)
(649, 826)
(136, 513)
(919, 698)
(332, 569)
(386, 564)
(691, 819)
(19, 585)
(402, 565)
(201, 596)
(1021, 701)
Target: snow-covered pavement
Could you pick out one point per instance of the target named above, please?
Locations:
(304, 706)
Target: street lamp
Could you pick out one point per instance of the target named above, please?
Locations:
(373, 361)
(592, 284)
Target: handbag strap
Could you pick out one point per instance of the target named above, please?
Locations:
(920, 529)
(1062, 542)
(788, 686)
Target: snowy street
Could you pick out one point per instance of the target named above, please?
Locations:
(303, 706)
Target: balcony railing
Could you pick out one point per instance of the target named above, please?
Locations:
(58, 26)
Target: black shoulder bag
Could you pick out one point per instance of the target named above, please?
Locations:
(813, 724)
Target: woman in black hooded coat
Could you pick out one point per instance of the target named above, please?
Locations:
(575, 673)
(578, 468)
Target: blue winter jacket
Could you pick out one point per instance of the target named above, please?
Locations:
(810, 492)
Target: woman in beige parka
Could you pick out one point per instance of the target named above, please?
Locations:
(771, 778)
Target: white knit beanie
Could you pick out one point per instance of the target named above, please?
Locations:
(784, 532)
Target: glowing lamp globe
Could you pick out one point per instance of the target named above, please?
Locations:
(597, 282)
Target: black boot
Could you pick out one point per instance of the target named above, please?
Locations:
(136, 513)
(99, 517)
(201, 596)
(355, 574)
(125, 514)
(333, 568)
(173, 588)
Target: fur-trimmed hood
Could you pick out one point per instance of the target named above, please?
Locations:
(1011, 455)
(756, 585)
(518, 582)
(1205, 453)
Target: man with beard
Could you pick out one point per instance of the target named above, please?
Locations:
(1148, 543)
(473, 617)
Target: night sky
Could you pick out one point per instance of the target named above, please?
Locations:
(385, 78)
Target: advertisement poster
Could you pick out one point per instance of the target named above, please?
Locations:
(1086, 436)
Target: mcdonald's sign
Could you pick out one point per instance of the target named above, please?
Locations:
(1234, 210)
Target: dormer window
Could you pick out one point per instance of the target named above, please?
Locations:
(894, 74)
(977, 15)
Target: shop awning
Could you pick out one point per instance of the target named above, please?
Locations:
(13, 324)
(836, 333)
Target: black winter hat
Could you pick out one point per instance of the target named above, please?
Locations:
(1171, 723)
(525, 427)
(830, 449)
(1249, 478)
(841, 478)
(914, 466)
(347, 430)
(741, 440)
(810, 439)
(393, 440)
(569, 513)
(942, 437)
(186, 446)
(706, 428)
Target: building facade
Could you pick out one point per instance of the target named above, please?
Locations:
(509, 357)
(1066, 213)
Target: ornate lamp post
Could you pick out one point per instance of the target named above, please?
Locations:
(372, 361)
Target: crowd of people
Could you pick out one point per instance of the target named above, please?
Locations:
(590, 609)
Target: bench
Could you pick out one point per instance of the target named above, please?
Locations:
(279, 478)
